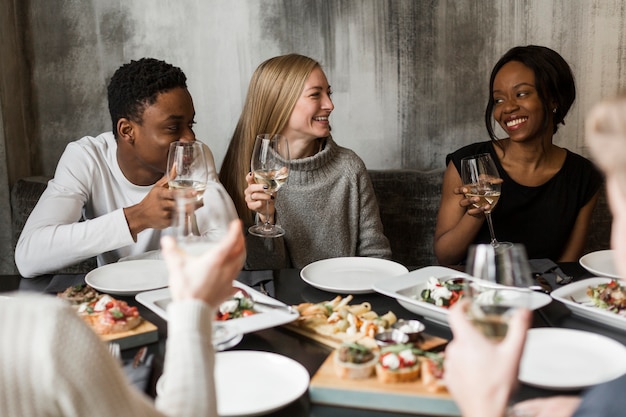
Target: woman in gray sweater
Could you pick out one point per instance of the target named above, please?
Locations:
(327, 208)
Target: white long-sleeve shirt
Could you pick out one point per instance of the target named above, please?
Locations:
(53, 365)
(88, 184)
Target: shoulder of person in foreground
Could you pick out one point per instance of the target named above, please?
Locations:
(71, 363)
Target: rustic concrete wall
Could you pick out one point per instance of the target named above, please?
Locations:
(410, 77)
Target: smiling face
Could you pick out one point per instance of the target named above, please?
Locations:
(309, 118)
(517, 105)
(144, 145)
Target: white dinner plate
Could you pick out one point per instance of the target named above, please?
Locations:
(269, 382)
(567, 359)
(129, 277)
(266, 317)
(600, 263)
(575, 297)
(407, 289)
(350, 275)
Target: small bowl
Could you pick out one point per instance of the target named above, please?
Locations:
(391, 337)
(412, 328)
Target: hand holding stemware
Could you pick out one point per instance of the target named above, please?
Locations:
(270, 167)
(482, 180)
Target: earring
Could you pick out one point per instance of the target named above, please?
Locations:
(554, 110)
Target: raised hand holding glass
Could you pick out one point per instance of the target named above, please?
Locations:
(502, 285)
(270, 166)
(481, 178)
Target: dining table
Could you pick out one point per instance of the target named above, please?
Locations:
(288, 287)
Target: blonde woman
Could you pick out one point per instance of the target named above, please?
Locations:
(328, 207)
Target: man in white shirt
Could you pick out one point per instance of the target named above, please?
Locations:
(115, 182)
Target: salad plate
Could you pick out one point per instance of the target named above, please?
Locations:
(600, 263)
(575, 298)
(265, 372)
(407, 290)
(597, 359)
(265, 317)
(128, 277)
(350, 275)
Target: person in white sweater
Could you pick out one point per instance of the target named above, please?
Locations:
(327, 208)
(109, 196)
(53, 365)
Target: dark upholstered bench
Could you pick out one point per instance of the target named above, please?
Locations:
(408, 200)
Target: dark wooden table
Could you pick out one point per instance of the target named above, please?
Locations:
(290, 289)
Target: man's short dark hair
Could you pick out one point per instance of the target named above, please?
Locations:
(136, 85)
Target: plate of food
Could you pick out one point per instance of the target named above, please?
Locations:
(270, 382)
(600, 263)
(598, 359)
(248, 311)
(602, 300)
(350, 275)
(128, 277)
(432, 290)
(110, 318)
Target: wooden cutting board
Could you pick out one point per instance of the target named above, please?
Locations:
(404, 397)
(141, 335)
(429, 342)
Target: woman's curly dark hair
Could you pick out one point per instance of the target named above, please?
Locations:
(553, 78)
(136, 85)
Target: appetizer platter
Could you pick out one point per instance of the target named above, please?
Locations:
(248, 311)
(601, 300)
(431, 290)
(110, 318)
(336, 321)
(397, 377)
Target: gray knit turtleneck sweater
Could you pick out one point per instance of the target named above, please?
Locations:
(328, 209)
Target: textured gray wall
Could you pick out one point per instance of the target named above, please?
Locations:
(410, 77)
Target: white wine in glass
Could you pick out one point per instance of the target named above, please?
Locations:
(187, 172)
(502, 284)
(270, 166)
(481, 178)
(187, 167)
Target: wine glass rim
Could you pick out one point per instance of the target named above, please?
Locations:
(477, 156)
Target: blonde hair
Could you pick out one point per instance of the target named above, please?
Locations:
(274, 89)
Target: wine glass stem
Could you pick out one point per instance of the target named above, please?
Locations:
(494, 242)
(267, 225)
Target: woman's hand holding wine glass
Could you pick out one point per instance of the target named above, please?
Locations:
(481, 179)
(270, 167)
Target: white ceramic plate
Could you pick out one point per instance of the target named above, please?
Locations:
(575, 297)
(269, 382)
(267, 317)
(406, 289)
(350, 275)
(567, 359)
(129, 277)
(600, 263)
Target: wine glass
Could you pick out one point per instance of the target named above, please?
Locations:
(196, 234)
(503, 283)
(270, 166)
(187, 171)
(187, 167)
(480, 176)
